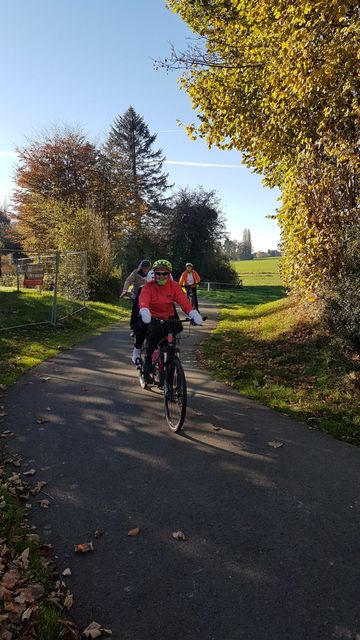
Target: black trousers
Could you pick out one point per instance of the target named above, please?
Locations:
(153, 331)
(194, 292)
(135, 311)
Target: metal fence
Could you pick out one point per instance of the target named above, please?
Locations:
(212, 286)
(41, 288)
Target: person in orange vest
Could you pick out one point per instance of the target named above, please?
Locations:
(189, 280)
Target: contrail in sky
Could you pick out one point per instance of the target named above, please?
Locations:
(204, 164)
(184, 163)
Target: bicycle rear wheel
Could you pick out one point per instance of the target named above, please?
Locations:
(175, 396)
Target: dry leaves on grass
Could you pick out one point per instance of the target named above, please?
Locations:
(20, 596)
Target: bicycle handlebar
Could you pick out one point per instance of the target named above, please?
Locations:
(175, 320)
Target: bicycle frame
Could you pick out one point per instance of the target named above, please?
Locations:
(168, 375)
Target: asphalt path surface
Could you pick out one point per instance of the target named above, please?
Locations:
(272, 547)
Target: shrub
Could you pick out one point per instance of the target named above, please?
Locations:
(341, 296)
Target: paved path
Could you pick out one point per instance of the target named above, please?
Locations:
(273, 536)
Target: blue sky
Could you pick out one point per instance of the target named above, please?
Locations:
(83, 62)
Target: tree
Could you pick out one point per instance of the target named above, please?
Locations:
(279, 82)
(245, 247)
(194, 231)
(137, 166)
(9, 240)
(58, 167)
(84, 230)
(231, 249)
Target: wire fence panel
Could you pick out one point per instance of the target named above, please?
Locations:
(41, 288)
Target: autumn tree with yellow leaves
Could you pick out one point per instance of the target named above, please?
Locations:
(279, 81)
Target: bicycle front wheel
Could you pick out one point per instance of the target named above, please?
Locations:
(175, 395)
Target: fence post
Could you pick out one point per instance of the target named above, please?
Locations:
(54, 306)
(208, 286)
(17, 277)
(86, 293)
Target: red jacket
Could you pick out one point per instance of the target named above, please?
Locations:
(183, 278)
(160, 299)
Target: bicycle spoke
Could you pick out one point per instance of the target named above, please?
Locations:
(175, 395)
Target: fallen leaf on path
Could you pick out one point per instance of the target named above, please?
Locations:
(134, 532)
(69, 601)
(24, 558)
(178, 535)
(41, 419)
(31, 472)
(93, 630)
(45, 549)
(66, 572)
(44, 504)
(45, 378)
(10, 579)
(33, 537)
(37, 487)
(25, 595)
(98, 533)
(14, 608)
(83, 547)
(5, 594)
(275, 445)
(28, 613)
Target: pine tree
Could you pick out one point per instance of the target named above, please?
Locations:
(129, 146)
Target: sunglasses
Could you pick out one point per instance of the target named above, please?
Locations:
(161, 273)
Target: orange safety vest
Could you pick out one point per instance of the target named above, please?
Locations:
(183, 279)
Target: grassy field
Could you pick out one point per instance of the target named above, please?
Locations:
(267, 347)
(258, 272)
(21, 349)
(31, 306)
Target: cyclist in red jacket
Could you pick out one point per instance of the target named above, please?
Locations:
(156, 301)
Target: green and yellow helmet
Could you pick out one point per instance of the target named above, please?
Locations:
(162, 264)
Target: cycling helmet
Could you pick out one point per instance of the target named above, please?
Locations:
(189, 264)
(162, 264)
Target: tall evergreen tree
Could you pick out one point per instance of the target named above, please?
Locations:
(130, 147)
(245, 247)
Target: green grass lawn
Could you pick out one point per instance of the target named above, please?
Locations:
(258, 272)
(21, 349)
(266, 347)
